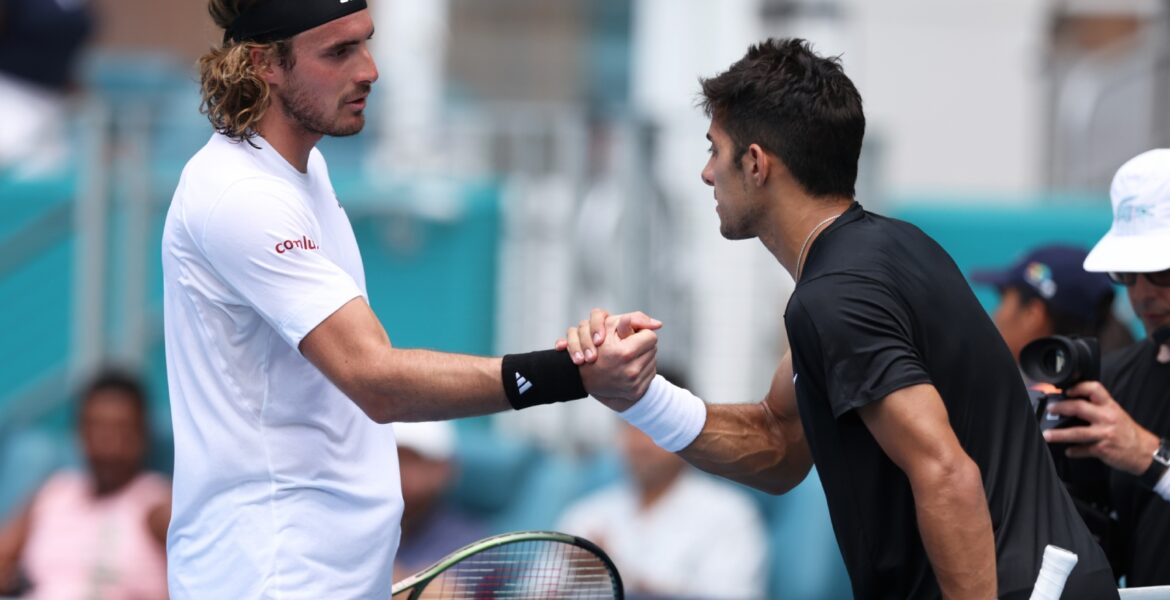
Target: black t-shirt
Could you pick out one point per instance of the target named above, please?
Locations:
(880, 307)
(1141, 536)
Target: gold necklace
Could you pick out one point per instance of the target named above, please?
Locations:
(804, 246)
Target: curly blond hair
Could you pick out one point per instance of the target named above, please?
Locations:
(234, 97)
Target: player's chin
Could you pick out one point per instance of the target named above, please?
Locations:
(349, 126)
(730, 231)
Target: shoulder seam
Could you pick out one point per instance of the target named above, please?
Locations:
(223, 194)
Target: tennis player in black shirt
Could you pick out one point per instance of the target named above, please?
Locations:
(897, 386)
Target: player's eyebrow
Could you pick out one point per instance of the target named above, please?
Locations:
(349, 42)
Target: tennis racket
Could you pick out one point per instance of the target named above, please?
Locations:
(525, 565)
(1055, 568)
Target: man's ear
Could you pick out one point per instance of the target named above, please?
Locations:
(757, 164)
(264, 66)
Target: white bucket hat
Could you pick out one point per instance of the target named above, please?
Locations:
(1139, 241)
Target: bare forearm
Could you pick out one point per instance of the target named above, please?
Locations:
(956, 530)
(13, 535)
(158, 519)
(9, 573)
(352, 349)
(747, 444)
(422, 385)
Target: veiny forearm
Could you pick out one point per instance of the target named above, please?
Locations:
(422, 385)
(956, 528)
(748, 444)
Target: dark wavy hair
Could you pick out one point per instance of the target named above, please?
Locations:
(796, 105)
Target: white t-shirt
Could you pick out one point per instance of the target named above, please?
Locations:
(283, 487)
(702, 539)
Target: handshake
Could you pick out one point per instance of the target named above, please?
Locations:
(616, 354)
(616, 360)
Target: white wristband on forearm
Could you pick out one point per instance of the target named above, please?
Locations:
(672, 416)
(1162, 488)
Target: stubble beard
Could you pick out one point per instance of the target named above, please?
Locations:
(741, 224)
(742, 228)
(298, 104)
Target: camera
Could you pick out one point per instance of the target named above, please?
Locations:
(1061, 362)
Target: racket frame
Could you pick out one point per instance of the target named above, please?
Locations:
(418, 582)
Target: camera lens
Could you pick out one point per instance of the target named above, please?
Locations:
(1054, 362)
(1061, 361)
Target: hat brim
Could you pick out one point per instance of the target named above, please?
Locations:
(1130, 254)
(997, 279)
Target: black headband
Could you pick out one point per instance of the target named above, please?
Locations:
(270, 20)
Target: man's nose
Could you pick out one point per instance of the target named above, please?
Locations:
(369, 71)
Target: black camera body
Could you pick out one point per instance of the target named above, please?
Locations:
(1061, 361)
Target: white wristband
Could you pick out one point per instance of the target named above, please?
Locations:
(672, 416)
(1162, 488)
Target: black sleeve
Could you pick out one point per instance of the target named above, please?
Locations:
(857, 335)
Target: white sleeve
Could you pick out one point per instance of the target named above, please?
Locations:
(266, 245)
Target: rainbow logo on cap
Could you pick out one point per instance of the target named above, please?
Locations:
(1039, 276)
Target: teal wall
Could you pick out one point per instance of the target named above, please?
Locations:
(990, 234)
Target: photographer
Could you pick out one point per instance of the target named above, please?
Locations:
(1128, 412)
(1048, 292)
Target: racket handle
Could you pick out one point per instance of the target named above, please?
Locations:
(1058, 563)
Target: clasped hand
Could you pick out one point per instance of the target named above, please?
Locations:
(616, 353)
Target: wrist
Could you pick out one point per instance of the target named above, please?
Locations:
(672, 416)
(1159, 465)
(542, 377)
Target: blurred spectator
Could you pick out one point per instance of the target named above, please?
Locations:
(1048, 292)
(99, 533)
(671, 531)
(431, 526)
(40, 41)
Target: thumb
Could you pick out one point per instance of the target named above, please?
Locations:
(640, 320)
(625, 327)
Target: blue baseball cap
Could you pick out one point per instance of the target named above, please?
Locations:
(1056, 274)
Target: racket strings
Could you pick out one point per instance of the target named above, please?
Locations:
(529, 570)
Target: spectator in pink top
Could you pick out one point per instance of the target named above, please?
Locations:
(99, 533)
